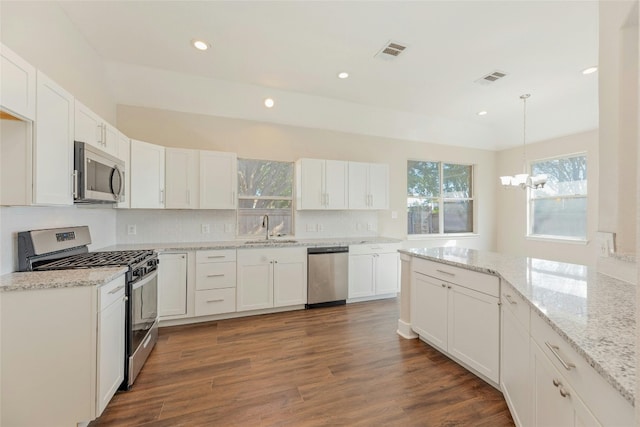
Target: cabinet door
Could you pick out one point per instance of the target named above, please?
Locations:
(111, 330)
(386, 273)
(254, 280)
(111, 139)
(181, 178)
(147, 175)
(124, 154)
(53, 149)
(310, 188)
(88, 126)
(361, 271)
(290, 278)
(336, 185)
(17, 84)
(555, 403)
(358, 194)
(218, 180)
(474, 330)
(378, 186)
(172, 284)
(514, 372)
(429, 309)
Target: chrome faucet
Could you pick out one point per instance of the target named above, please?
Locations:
(265, 223)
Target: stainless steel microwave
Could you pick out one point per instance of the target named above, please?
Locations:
(98, 177)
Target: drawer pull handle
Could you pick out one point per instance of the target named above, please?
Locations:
(511, 301)
(111, 292)
(215, 275)
(563, 392)
(554, 349)
(446, 272)
(216, 300)
(216, 256)
(556, 383)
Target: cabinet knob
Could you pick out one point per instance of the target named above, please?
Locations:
(443, 285)
(449, 287)
(563, 392)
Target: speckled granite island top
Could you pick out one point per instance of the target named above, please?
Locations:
(284, 242)
(31, 280)
(593, 312)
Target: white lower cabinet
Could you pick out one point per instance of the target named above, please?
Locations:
(555, 402)
(271, 278)
(461, 319)
(172, 284)
(111, 336)
(373, 270)
(514, 367)
(215, 282)
(62, 353)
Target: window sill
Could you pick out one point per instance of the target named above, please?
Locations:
(442, 236)
(558, 239)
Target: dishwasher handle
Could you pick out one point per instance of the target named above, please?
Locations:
(328, 250)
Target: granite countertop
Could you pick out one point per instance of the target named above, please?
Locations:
(32, 280)
(593, 312)
(276, 242)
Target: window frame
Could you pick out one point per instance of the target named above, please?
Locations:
(530, 217)
(291, 198)
(441, 201)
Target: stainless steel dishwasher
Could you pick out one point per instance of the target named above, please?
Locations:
(328, 274)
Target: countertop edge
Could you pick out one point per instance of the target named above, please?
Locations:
(58, 279)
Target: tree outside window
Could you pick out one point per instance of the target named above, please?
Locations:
(559, 210)
(434, 188)
(265, 187)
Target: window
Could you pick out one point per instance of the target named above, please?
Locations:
(559, 210)
(435, 187)
(264, 188)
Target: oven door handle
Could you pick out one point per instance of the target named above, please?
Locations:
(145, 280)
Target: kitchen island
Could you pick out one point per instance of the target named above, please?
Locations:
(593, 314)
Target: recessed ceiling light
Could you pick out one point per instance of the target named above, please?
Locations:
(269, 102)
(589, 70)
(343, 75)
(482, 113)
(199, 44)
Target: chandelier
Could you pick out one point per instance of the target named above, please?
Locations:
(524, 180)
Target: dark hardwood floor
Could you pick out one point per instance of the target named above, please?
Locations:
(341, 366)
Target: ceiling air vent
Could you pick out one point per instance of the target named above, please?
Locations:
(391, 50)
(491, 77)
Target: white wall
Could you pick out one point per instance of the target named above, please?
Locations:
(511, 204)
(41, 33)
(251, 139)
(101, 222)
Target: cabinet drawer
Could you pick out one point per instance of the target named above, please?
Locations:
(215, 301)
(480, 282)
(216, 256)
(111, 292)
(216, 275)
(373, 248)
(606, 403)
(517, 305)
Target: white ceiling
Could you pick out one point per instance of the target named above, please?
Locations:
(294, 50)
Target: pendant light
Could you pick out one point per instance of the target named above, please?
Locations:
(523, 180)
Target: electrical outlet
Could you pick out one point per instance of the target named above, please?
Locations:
(606, 242)
(394, 214)
(311, 228)
(319, 227)
(131, 230)
(369, 226)
(206, 229)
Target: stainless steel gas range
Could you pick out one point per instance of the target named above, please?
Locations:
(66, 248)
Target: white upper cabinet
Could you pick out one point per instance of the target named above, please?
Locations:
(321, 184)
(53, 148)
(17, 85)
(218, 180)
(147, 175)
(124, 154)
(368, 186)
(182, 178)
(93, 130)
